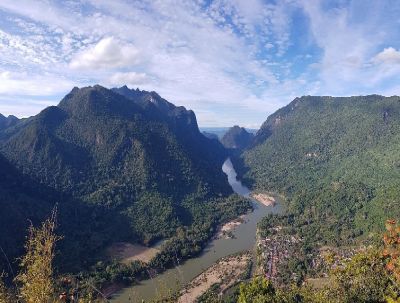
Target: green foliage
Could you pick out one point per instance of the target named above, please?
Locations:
(259, 290)
(120, 169)
(36, 275)
(362, 279)
(337, 162)
(153, 217)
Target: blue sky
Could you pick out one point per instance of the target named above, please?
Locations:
(231, 61)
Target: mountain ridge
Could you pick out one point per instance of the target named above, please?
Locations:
(317, 148)
(237, 138)
(125, 158)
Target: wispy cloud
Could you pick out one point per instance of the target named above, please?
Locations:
(233, 62)
(128, 78)
(350, 34)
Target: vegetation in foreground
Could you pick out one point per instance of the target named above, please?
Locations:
(370, 276)
(37, 276)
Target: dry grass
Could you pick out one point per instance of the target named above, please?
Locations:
(127, 253)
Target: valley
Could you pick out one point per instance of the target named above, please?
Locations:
(206, 151)
(124, 169)
(243, 239)
(149, 208)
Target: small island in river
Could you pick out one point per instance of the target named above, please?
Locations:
(225, 231)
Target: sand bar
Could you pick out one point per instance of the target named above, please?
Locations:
(227, 272)
(223, 231)
(264, 198)
(126, 252)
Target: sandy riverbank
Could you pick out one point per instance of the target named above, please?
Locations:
(264, 198)
(226, 272)
(225, 231)
(126, 252)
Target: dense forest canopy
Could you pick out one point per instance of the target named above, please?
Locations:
(120, 164)
(335, 159)
(127, 165)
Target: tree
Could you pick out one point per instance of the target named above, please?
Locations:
(4, 294)
(362, 279)
(259, 290)
(36, 274)
(391, 252)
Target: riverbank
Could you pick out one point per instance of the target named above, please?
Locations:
(243, 239)
(126, 252)
(264, 198)
(225, 231)
(227, 272)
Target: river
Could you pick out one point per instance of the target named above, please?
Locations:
(244, 239)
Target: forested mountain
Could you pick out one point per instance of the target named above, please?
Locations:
(7, 121)
(210, 135)
(337, 160)
(121, 160)
(24, 201)
(20, 198)
(237, 138)
(98, 144)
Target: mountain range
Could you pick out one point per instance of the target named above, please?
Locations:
(7, 121)
(129, 163)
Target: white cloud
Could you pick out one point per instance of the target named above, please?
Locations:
(24, 94)
(349, 35)
(128, 78)
(180, 50)
(233, 62)
(107, 53)
(32, 85)
(25, 107)
(388, 56)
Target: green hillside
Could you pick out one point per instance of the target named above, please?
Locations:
(131, 168)
(337, 160)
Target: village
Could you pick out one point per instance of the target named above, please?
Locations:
(275, 250)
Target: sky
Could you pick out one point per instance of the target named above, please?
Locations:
(231, 61)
